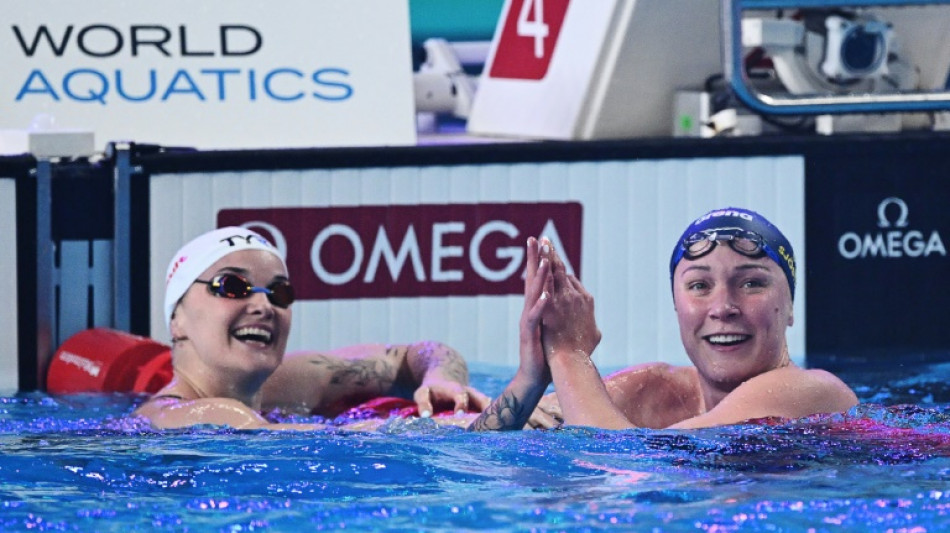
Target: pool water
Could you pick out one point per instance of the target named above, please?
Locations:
(76, 464)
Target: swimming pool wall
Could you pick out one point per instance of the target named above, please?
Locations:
(867, 215)
(58, 214)
(633, 212)
(8, 283)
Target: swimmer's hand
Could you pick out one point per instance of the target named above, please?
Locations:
(441, 375)
(551, 408)
(543, 419)
(538, 284)
(514, 408)
(437, 395)
(568, 326)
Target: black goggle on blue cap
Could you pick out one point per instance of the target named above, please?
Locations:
(746, 232)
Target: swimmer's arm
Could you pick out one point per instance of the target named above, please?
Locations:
(581, 392)
(569, 335)
(328, 383)
(513, 407)
(170, 414)
(789, 392)
(439, 375)
(655, 394)
(434, 373)
(650, 395)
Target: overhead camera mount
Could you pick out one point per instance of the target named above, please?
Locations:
(848, 64)
(831, 52)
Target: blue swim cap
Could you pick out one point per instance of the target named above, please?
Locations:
(733, 220)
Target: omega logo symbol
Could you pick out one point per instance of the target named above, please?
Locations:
(894, 242)
(882, 221)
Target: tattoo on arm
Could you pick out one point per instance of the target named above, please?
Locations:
(365, 373)
(455, 369)
(396, 353)
(506, 412)
(434, 355)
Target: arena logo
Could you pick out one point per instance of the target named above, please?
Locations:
(896, 242)
(412, 250)
(723, 213)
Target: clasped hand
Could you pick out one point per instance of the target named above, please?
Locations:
(558, 316)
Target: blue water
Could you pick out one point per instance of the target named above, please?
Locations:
(76, 464)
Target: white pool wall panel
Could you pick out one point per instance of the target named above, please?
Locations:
(633, 213)
(9, 346)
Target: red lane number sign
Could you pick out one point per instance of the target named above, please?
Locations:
(528, 38)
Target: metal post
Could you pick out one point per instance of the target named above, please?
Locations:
(45, 257)
(122, 238)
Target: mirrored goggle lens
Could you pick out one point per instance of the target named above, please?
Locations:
(747, 246)
(695, 248)
(279, 293)
(747, 243)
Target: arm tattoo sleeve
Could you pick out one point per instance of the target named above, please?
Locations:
(506, 412)
(363, 373)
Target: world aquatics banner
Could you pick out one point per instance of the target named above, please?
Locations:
(211, 74)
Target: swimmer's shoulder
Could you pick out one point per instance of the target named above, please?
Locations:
(832, 390)
(812, 376)
(656, 373)
(177, 405)
(170, 394)
(167, 397)
(153, 407)
(169, 412)
(656, 395)
(810, 390)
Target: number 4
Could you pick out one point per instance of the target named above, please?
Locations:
(531, 24)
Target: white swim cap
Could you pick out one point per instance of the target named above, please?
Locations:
(202, 252)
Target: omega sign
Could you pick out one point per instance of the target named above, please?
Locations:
(895, 238)
(412, 250)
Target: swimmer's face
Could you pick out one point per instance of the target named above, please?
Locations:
(733, 311)
(233, 337)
